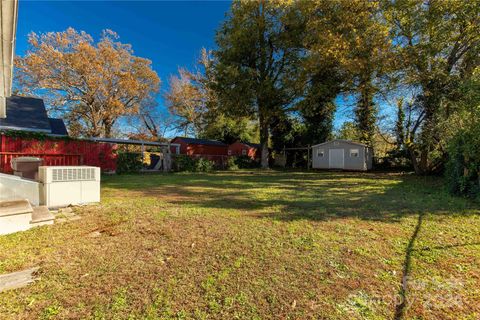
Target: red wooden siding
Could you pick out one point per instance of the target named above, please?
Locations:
(199, 149)
(57, 152)
(215, 153)
(192, 149)
(236, 149)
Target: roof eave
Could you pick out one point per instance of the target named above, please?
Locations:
(8, 25)
(24, 129)
(341, 140)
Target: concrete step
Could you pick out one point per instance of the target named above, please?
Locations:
(15, 215)
(41, 216)
(17, 279)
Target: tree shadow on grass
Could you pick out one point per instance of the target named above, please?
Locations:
(289, 196)
(407, 268)
(317, 197)
(403, 292)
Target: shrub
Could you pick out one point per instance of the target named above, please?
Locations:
(183, 162)
(394, 160)
(129, 162)
(231, 164)
(463, 166)
(204, 165)
(245, 162)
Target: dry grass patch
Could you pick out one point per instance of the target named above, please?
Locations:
(275, 245)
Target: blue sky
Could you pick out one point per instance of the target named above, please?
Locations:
(170, 33)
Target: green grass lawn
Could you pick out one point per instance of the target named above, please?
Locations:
(254, 245)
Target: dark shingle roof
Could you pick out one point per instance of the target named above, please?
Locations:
(58, 127)
(25, 114)
(253, 145)
(29, 114)
(202, 141)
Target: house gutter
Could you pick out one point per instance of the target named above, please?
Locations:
(8, 29)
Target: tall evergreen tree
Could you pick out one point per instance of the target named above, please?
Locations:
(318, 107)
(400, 125)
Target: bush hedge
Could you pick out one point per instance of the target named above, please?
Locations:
(463, 166)
(245, 162)
(204, 165)
(129, 162)
(394, 160)
(183, 162)
(231, 164)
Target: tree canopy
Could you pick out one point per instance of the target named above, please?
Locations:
(256, 64)
(91, 84)
(277, 73)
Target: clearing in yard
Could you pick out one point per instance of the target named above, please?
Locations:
(254, 245)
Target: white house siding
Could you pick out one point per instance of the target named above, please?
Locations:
(17, 188)
(362, 162)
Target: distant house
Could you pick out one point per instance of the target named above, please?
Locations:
(252, 150)
(29, 114)
(342, 154)
(199, 147)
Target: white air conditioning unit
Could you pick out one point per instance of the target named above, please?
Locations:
(63, 186)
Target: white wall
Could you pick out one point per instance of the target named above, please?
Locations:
(8, 26)
(16, 188)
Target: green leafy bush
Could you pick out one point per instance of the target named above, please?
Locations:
(129, 162)
(245, 162)
(463, 166)
(231, 164)
(204, 165)
(394, 160)
(183, 162)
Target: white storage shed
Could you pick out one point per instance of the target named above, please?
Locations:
(343, 155)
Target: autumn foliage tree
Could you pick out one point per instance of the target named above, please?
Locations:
(187, 100)
(193, 103)
(91, 84)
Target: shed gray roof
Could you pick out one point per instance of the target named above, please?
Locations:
(25, 114)
(341, 140)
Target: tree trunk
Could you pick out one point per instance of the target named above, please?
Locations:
(365, 112)
(429, 135)
(264, 140)
(108, 130)
(107, 126)
(413, 158)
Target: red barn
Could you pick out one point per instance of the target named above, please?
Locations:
(252, 150)
(192, 146)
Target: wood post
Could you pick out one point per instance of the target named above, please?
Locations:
(308, 157)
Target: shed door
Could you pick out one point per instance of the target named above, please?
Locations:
(336, 159)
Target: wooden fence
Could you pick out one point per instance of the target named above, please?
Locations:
(48, 159)
(57, 152)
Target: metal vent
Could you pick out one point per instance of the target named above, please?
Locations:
(73, 174)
